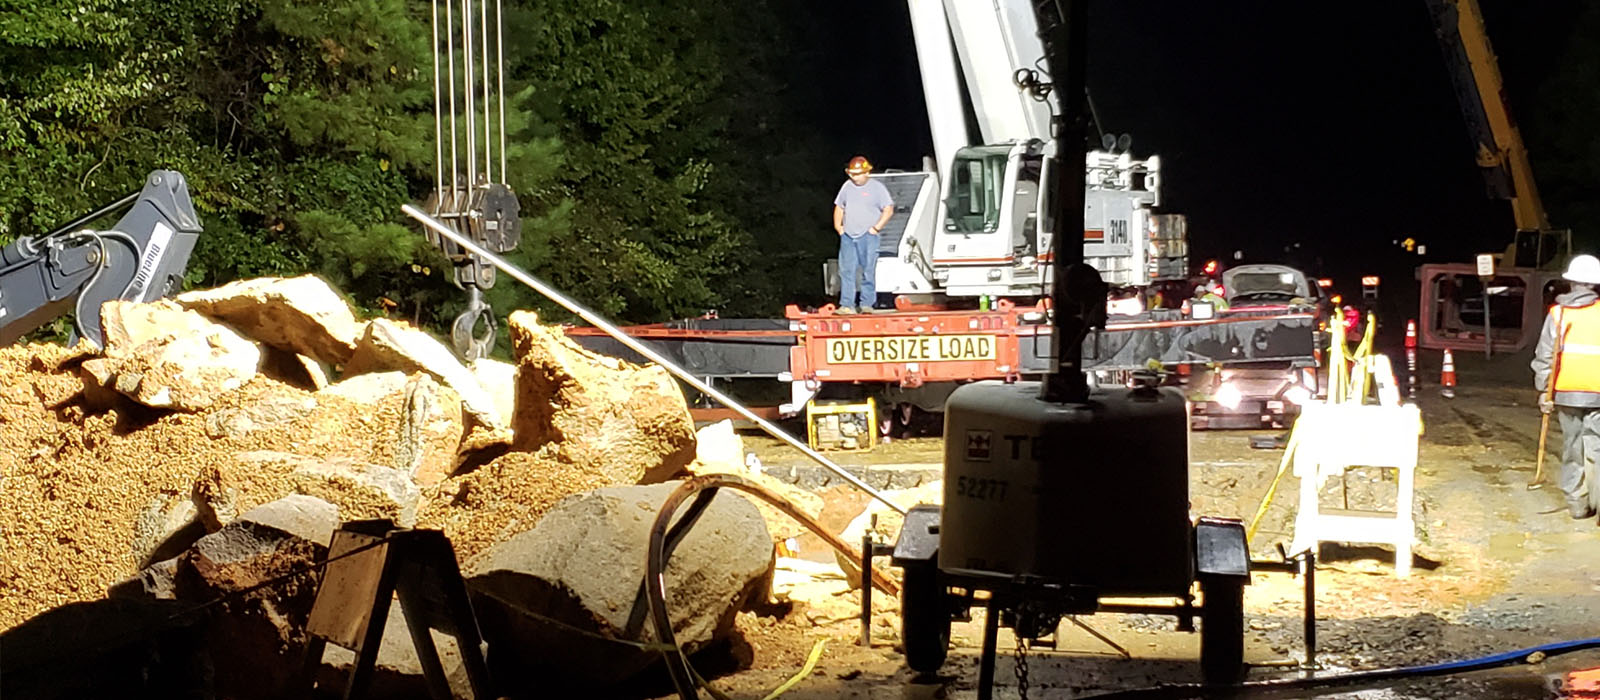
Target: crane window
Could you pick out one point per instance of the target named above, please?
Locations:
(976, 193)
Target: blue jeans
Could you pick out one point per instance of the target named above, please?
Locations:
(858, 254)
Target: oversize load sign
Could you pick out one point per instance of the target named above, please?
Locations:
(926, 348)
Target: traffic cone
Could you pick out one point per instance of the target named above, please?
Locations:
(1447, 375)
(1411, 334)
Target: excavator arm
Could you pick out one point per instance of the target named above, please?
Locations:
(75, 270)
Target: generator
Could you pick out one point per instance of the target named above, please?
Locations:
(1051, 508)
(842, 426)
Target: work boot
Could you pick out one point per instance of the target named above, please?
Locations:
(844, 311)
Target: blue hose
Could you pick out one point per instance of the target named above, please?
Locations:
(1356, 677)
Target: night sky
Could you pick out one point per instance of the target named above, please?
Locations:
(1278, 123)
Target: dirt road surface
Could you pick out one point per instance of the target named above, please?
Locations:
(1498, 567)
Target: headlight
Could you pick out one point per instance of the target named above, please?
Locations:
(1297, 395)
(1228, 395)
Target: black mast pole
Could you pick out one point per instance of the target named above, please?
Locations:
(1062, 31)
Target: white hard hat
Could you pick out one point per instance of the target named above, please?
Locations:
(1584, 269)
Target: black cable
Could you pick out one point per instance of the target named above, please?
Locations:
(1190, 690)
(91, 216)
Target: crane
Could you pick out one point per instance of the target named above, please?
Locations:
(1497, 144)
(978, 220)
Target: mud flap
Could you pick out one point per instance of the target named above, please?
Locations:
(918, 542)
(1220, 549)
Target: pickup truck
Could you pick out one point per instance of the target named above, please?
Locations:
(1248, 393)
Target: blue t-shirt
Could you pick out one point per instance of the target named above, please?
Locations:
(862, 205)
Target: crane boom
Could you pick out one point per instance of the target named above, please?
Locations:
(941, 86)
(995, 40)
(1497, 143)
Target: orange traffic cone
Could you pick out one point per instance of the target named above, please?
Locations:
(1411, 334)
(1447, 377)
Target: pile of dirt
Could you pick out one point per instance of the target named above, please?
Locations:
(91, 480)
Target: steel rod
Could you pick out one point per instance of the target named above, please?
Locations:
(438, 117)
(483, 48)
(645, 350)
(467, 101)
(77, 223)
(450, 52)
(500, 76)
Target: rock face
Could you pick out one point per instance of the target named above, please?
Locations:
(630, 421)
(302, 315)
(583, 565)
(165, 357)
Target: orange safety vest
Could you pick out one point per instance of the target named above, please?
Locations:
(1577, 348)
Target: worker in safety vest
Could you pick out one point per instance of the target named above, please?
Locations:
(1211, 294)
(1569, 355)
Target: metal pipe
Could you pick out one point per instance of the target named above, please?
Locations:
(649, 353)
(991, 637)
(866, 584)
(1309, 559)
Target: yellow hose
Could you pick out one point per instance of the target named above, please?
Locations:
(811, 665)
(1283, 466)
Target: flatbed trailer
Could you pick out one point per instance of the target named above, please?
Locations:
(905, 353)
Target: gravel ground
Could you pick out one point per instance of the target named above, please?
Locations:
(1494, 571)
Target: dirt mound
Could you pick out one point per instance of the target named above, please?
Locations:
(95, 479)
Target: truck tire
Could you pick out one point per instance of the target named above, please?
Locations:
(1222, 630)
(924, 619)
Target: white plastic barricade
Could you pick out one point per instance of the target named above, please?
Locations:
(1337, 437)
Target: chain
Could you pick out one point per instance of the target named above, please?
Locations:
(1021, 667)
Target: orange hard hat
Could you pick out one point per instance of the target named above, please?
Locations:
(858, 165)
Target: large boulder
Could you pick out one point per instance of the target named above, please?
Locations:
(387, 346)
(264, 625)
(429, 423)
(583, 566)
(628, 420)
(164, 356)
(302, 315)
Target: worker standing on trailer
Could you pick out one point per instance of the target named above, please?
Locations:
(1569, 349)
(860, 212)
